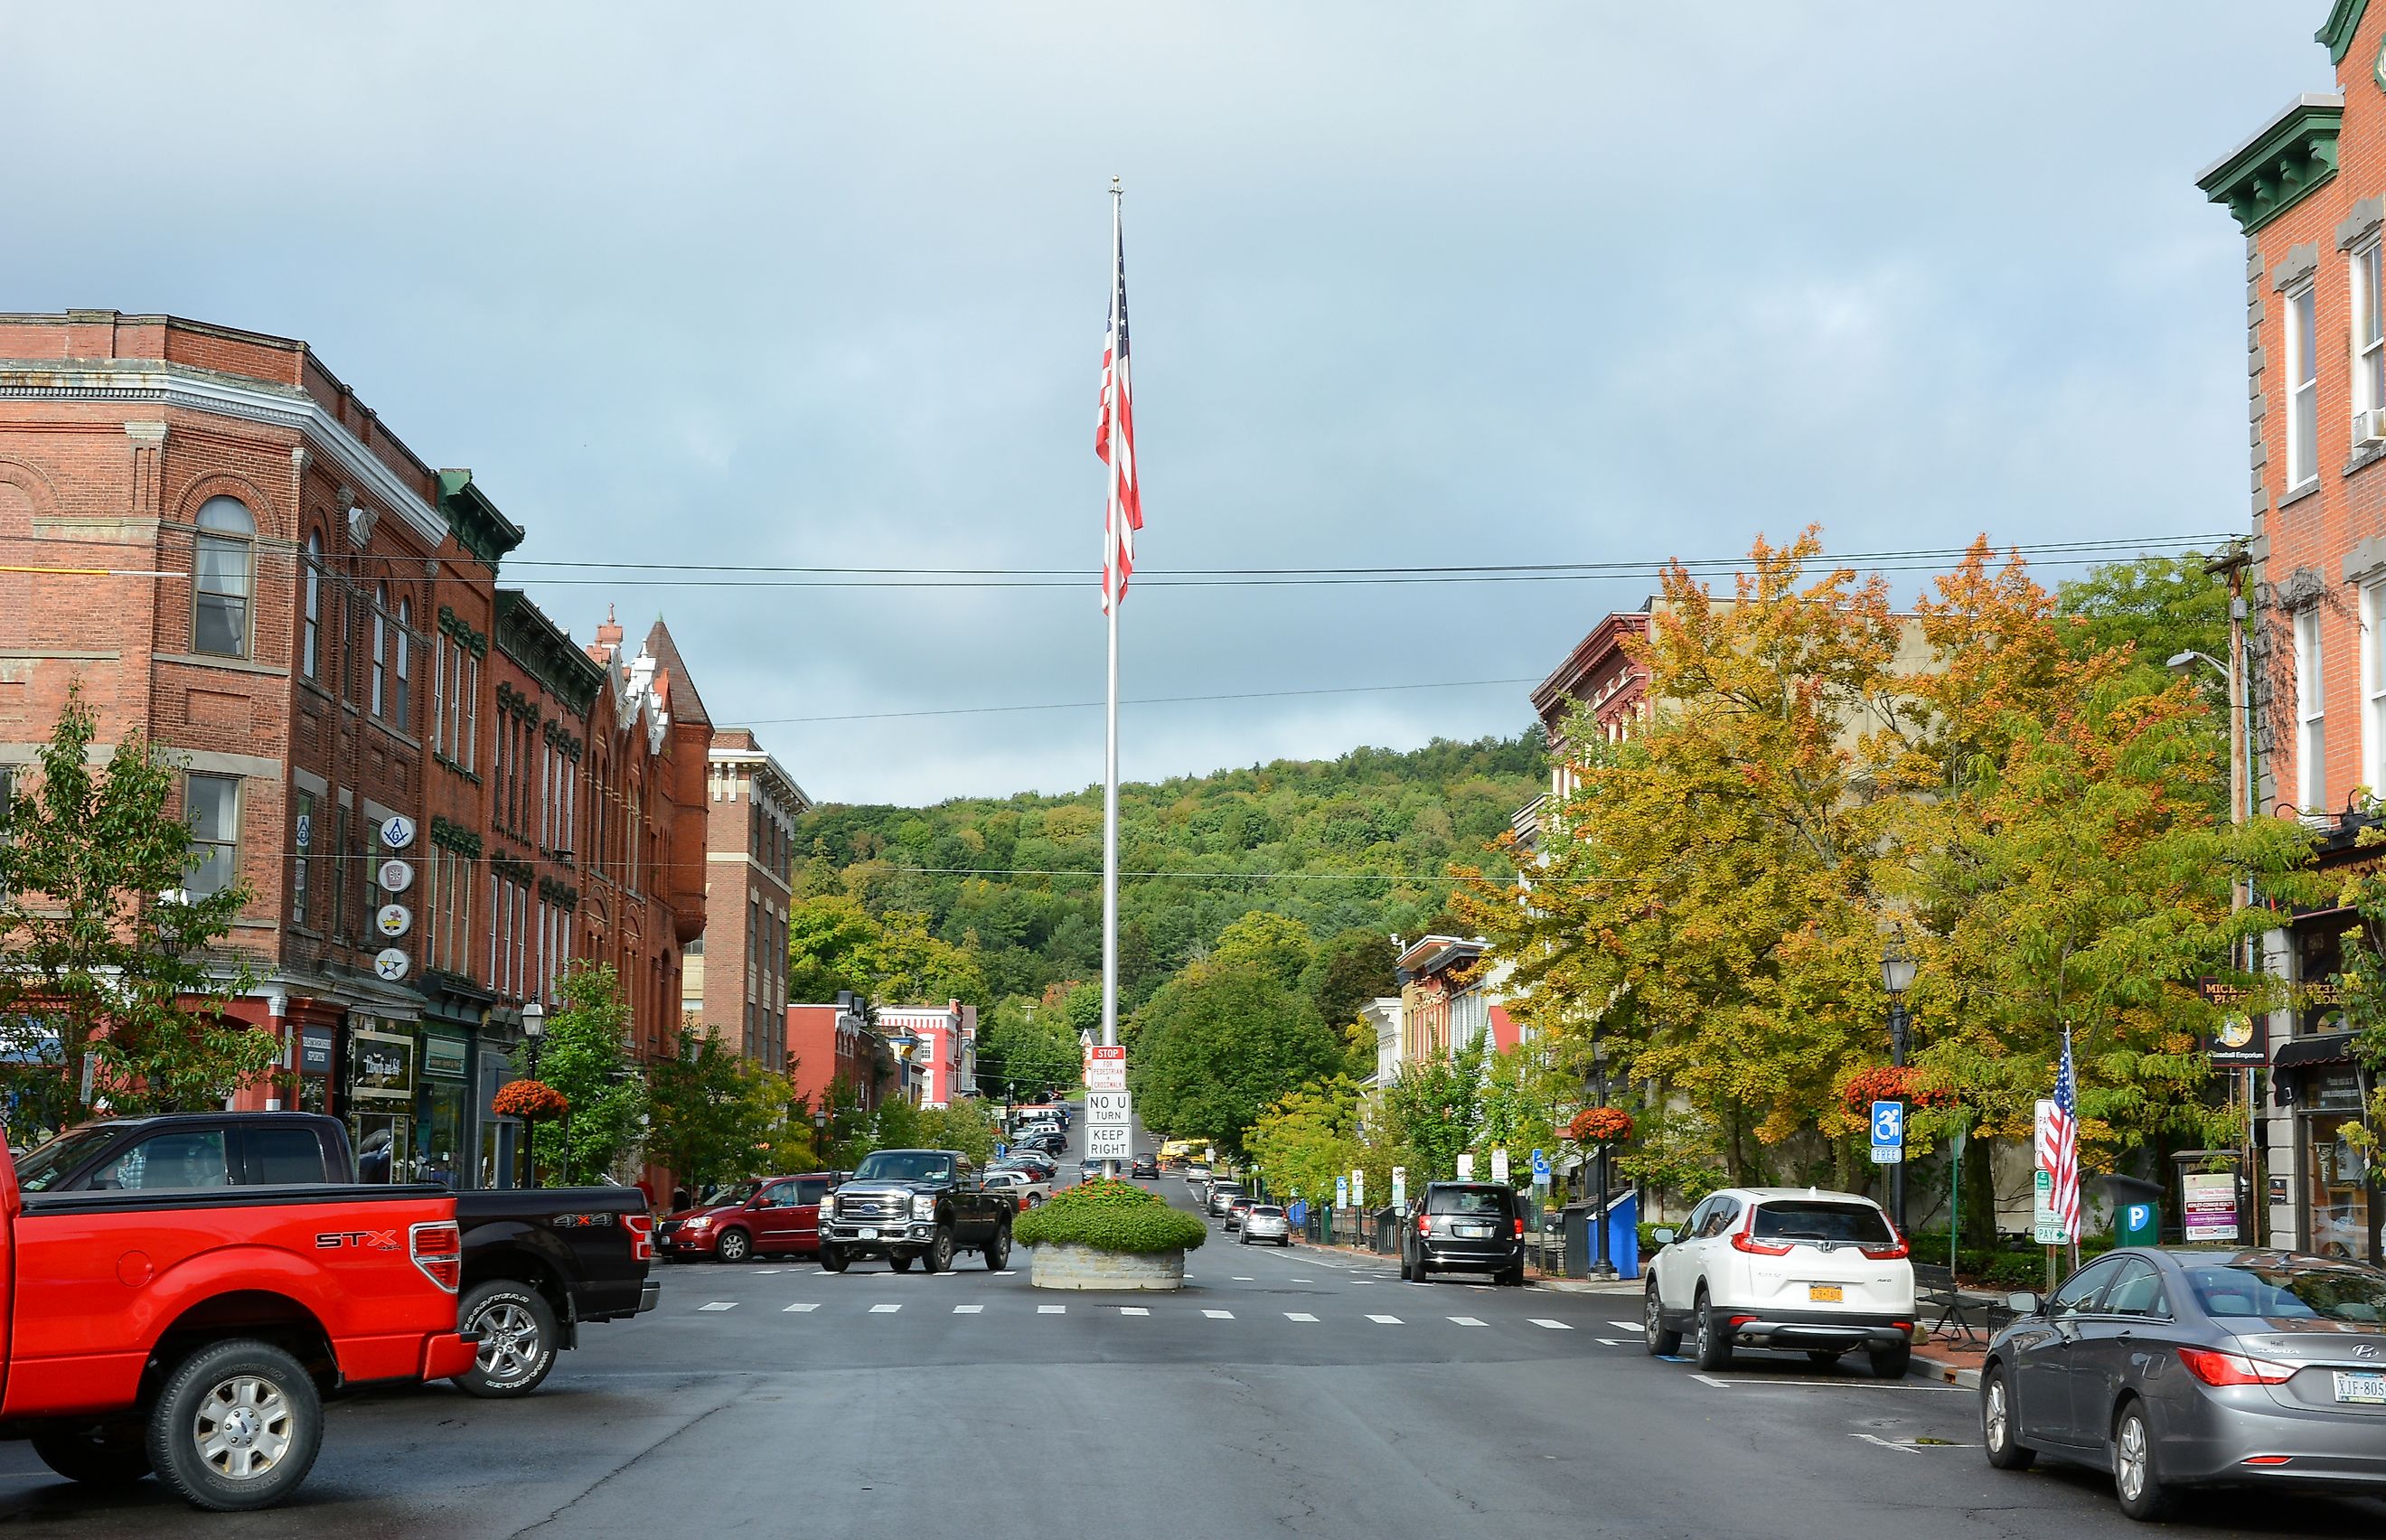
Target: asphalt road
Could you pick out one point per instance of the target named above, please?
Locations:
(1290, 1392)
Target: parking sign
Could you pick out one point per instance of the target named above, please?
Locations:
(1888, 1134)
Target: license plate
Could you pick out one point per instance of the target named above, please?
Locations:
(1825, 1293)
(2366, 1389)
(869, 1234)
(1470, 1231)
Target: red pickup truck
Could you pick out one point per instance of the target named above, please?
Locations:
(193, 1333)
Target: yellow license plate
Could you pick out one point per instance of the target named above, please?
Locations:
(1825, 1293)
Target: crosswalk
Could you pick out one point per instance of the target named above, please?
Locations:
(832, 1309)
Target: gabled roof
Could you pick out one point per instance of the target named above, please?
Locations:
(687, 705)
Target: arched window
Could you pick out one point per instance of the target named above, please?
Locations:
(220, 570)
(380, 646)
(402, 707)
(310, 656)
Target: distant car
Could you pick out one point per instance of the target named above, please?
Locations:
(2178, 1367)
(1036, 1161)
(1222, 1197)
(1463, 1227)
(1146, 1168)
(1026, 1190)
(777, 1216)
(1196, 1170)
(1237, 1209)
(1266, 1222)
(1088, 1169)
(1821, 1273)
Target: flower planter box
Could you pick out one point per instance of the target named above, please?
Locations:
(1082, 1267)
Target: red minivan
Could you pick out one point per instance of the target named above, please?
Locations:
(773, 1215)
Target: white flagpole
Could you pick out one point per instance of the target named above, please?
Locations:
(1112, 599)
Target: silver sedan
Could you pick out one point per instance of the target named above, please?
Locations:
(2175, 1367)
(1266, 1222)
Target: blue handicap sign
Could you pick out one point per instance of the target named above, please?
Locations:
(1001, 1149)
(1541, 1164)
(1888, 1133)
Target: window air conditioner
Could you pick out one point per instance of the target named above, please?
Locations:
(2370, 428)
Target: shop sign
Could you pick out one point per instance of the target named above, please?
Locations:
(393, 919)
(443, 1055)
(397, 876)
(391, 962)
(397, 833)
(2240, 1038)
(2335, 1090)
(382, 1064)
(314, 1050)
(2209, 1202)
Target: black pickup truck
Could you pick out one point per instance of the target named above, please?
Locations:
(538, 1263)
(915, 1204)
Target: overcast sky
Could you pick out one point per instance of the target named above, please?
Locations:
(1414, 285)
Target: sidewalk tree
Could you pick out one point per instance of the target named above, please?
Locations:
(715, 1117)
(1217, 1044)
(1308, 1137)
(95, 958)
(585, 1056)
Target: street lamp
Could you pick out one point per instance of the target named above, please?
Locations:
(1897, 969)
(1595, 1083)
(534, 1032)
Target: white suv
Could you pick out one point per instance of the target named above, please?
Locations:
(1783, 1266)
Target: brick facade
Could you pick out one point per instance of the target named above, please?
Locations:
(752, 804)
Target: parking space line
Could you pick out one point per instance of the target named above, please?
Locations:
(1553, 1325)
(969, 1309)
(800, 1309)
(1467, 1321)
(1299, 1315)
(720, 1305)
(884, 1309)
(1711, 1380)
(1385, 1320)
(1219, 1315)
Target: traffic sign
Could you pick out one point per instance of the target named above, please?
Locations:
(1541, 1166)
(1109, 1142)
(1500, 1164)
(1466, 1165)
(1888, 1134)
(1342, 1192)
(1358, 1187)
(1400, 1186)
(1104, 1108)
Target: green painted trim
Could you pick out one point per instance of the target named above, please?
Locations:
(455, 837)
(2278, 171)
(526, 635)
(474, 521)
(2336, 33)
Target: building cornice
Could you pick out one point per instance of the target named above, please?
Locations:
(2335, 35)
(764, 765)
(2280, 164)
(531, 638)
(477, 524)
(200, 390)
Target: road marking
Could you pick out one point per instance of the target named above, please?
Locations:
(1219, 1315)
(798, 1309)
(1553, 1325)
(1299, 1315)
(1006, 1272)
(1711, 1380)
(720, 1305)
(1886, 1444)
(1304, 1279)
(969, 1309)
(1132, 1310)
(1625, 1325)
(1610, 1341)
(1240, 1279)
(884, 1309)
(1051, 1309)
(765, 1272)
(1385, 1320)
(1465, 1320)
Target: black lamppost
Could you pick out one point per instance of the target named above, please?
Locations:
(1600, 1266)
(534, 1018)
(1897, 967)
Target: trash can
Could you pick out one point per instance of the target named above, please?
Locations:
(1575, 1217)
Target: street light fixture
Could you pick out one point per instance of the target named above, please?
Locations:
(534, 1025)
(1897, 971)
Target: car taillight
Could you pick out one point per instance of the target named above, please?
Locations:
(1519, 1229)
(438, 1250)
(2232, 1369)
(1890, 1253)
(642, 1236)
(1424, 1225)
(1744, 1239)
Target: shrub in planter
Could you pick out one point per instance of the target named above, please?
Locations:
(1109, 1216)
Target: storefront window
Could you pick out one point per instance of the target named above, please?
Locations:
(442, 1115)
(380, 1098)
(2339, 1191)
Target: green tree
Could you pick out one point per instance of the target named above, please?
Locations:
(1432, 1111)
(1216, 1045)
(1352, 969)
(1276, 946)
(1308, 1137)
(717, 1118)
(584, 1055)
(1022, 1050)
(95, 958)
(836, 943)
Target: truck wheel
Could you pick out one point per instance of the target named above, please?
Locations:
(105, 1457)
(236, 1427)
(517, 1329)
(997, 1251)
(735, 1245)
(938, 1258)
(832, 1257)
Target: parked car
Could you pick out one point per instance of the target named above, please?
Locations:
(1236, 1209)
(775, 1216)
(1783, 1266)
(168, 1322)
(915, 1205)
(1197, 1172)
(1463, 1227)
(1088, 1170)
(1144, 1168)
(1024, 1188)
(1037, 1164)
(1221, 1195)
(539, 1263)
(1265, 1221)
(2175, 1367)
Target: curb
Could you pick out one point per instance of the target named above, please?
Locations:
(1947, 1373)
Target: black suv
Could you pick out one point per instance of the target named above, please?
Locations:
(1465, 1227)
(1145, 1169)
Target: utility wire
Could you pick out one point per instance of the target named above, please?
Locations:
(1141, 700)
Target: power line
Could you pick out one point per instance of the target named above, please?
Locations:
(1143, 700)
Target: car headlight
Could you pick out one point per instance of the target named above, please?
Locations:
(701, 1222)
(923, 1206)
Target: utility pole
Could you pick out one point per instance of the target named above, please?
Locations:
(2232, 563)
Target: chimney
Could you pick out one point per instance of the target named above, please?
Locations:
(609, 636)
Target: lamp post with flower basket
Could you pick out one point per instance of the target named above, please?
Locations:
(534, 1102)
(1597, 1129)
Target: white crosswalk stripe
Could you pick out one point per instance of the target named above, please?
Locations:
(1467, 1321)
(1385, 1320)
(1219, 1315)
(1553, 1325)
(800, 1309)
(720, 1305)
(1132, 1310)
(1299, 1315)
(1051, 1309)
(969, 1309)
(1625, 1325)
(884, 1309)
(1609, 1342)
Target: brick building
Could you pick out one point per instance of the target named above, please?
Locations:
(738, 974)
(833, 1041)
(1600, 674)
(942, 1063)
(2308, 189)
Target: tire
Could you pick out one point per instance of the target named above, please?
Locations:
(1891, 1363)
(1404, 1266)
(518, 1339)
(2000, 1427)
(900, 1263)
(1514, 1278)
(734, 1246)
(2136, 1481)
(997, 1251)
(1662, 1343)
(240, 1405)
(832, 1257)
(938, 1258)
(1713, 1348)
(101, 1457)
(1286, 1242)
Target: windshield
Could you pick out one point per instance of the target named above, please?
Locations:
(1841, 1223)
(904, 1165)
(735, 1193)
(46, 1165)
(1482, 1202)
(2355, 1295)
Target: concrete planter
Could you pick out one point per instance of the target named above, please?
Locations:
(1082, 1267)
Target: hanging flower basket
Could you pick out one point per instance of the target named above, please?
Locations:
(1601, 1125)
(1893, 1084)
(532, 1101)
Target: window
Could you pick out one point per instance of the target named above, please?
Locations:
(302, 837)
(2368, 332)
(2311, 735)
(339, 847)
(221, 578)
(282, 1156)
(310, 645)
(1471, 1202)
(2138, 1292)
(2078, 1295)
(402, 704)
(168, 1162)
(2303, 389)
(467, 673)
(380, 648)
(2373, 686)
(211, 805)
(8, 791)
(1806, 1220)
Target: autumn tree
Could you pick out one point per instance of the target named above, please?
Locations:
(1308, 1137)
(584, 1055)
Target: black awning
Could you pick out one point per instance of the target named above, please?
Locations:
(2327, 1047)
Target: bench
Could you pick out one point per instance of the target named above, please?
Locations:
(1934, 1287)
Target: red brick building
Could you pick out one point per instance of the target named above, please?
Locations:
(737, 980)
(830, 1042)
(1600, 674)
(2308, 190)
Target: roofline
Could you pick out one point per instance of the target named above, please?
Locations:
(2303, 102)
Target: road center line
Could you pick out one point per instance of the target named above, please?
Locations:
(1051, 1309)
(969, 1309)
(1465, 1320)
(1385, 1320)
(1299, 1315)
(1132, 1310)
(1219, 1315)
(1553, 1325)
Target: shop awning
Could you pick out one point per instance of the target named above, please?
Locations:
(2328, 1047)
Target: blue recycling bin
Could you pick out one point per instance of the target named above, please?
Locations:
(1623, 1234)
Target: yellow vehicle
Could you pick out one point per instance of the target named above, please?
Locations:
(1186, 1149)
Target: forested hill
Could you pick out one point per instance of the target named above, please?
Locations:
(1358, 844)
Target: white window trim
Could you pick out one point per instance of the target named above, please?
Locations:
(2311, 714)
(2303, 294)
(2360, 351)
(2373, 685)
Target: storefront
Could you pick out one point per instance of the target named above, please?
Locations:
(443, 1109)
(315, 1065)
(2335, 1209)
(383, 1086)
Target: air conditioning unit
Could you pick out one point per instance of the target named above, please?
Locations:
(2370, 428)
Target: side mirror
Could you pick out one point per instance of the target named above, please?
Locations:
(1663, 1234)
(2022, 1302)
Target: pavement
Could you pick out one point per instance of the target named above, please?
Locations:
(1296, 1392)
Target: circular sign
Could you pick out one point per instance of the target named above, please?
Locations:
(2235, 1032)
(397, 833)
(393, 919)
(397, 876)
(390, 963)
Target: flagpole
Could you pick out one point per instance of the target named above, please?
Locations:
(1111, 605)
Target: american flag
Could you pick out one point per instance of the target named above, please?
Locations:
(1114, 437)
(2063, 1144)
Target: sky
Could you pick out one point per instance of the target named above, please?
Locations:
(1416, 287)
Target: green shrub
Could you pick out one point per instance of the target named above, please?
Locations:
(1109, 1216)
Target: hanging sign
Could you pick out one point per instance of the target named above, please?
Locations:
(390, 963)
(393, 919)
(397, 876)
(397, 832)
